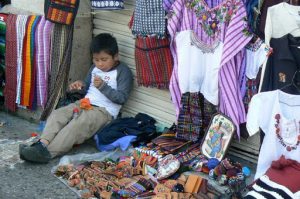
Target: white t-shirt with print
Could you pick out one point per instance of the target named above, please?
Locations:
(97, 98)
(198, 70)
(261, 115)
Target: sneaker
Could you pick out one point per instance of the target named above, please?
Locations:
(21, 146)
(35, 153)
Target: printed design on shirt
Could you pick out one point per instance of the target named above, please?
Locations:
(288, 134)
(282, 77)
(211, 20)
(106, 79)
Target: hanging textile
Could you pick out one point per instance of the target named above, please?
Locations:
(61, 11)
(194, 116)
(11, 63)
(21, 29)
(153, 61)
(281, 20)
(29, 64)
(3, 18)
(220, 22)
(149, 18)
(43, 35)
(61, 54)
(107, 4)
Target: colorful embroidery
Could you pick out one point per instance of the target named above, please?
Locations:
(211, 19)
(205, 48)
(288, 145)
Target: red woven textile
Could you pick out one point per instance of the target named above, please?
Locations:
(154, 62)
(11, 63)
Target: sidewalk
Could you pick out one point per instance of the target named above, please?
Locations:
(19, 179)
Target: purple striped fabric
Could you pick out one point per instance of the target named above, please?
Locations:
(40, 57)
(231, 71)
(182, 19)
(167, 4)
(48, 28)
(231, 99)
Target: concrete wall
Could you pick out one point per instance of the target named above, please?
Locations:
(81, 59)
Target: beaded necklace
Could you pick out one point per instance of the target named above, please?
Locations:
(289, 147)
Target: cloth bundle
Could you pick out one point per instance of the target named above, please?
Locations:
(61, 11)
(154, 62)
(107, 4)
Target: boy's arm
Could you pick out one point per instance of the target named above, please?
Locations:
(87, 80)
(124, 86)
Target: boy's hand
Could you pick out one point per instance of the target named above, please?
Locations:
(97, 81)
(77, 85)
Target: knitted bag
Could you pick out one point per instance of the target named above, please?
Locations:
(107, 4)
(61, 11)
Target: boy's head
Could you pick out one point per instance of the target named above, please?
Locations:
(105, 51)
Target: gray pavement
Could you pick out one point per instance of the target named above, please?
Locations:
(19, 179)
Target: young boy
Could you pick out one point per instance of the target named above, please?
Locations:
(108, 85)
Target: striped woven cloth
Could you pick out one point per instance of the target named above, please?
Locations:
(149, 18)
(11, 63)
(154, 62)
(29, 65)
(21, 28)
(61, 40)
(42, 37)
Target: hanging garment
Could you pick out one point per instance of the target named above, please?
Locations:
(194, 116)
(263, 16)
(222, 21)
(29, 65)
(277, 114)
(154, 61)
(107, 4)
(167, 4)
(149, 18)
(21, 29)
(43, 35)
(282, 19)
(61, 11)
(198, 65)
(283, 63)
(11, 63)
(61, 41)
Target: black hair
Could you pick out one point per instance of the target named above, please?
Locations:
(104, 42)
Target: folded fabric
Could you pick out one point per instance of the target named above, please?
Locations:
(122, 142)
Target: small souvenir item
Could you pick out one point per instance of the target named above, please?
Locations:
(167, 167)
(218, 136)
(107, 4)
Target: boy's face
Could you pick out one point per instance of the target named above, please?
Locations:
(104, 61)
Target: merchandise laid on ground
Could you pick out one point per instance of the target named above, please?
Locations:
(153, 172)
(181, 98)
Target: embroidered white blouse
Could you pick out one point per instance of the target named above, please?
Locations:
(263, 109)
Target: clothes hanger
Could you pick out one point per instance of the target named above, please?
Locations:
(294, 86)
